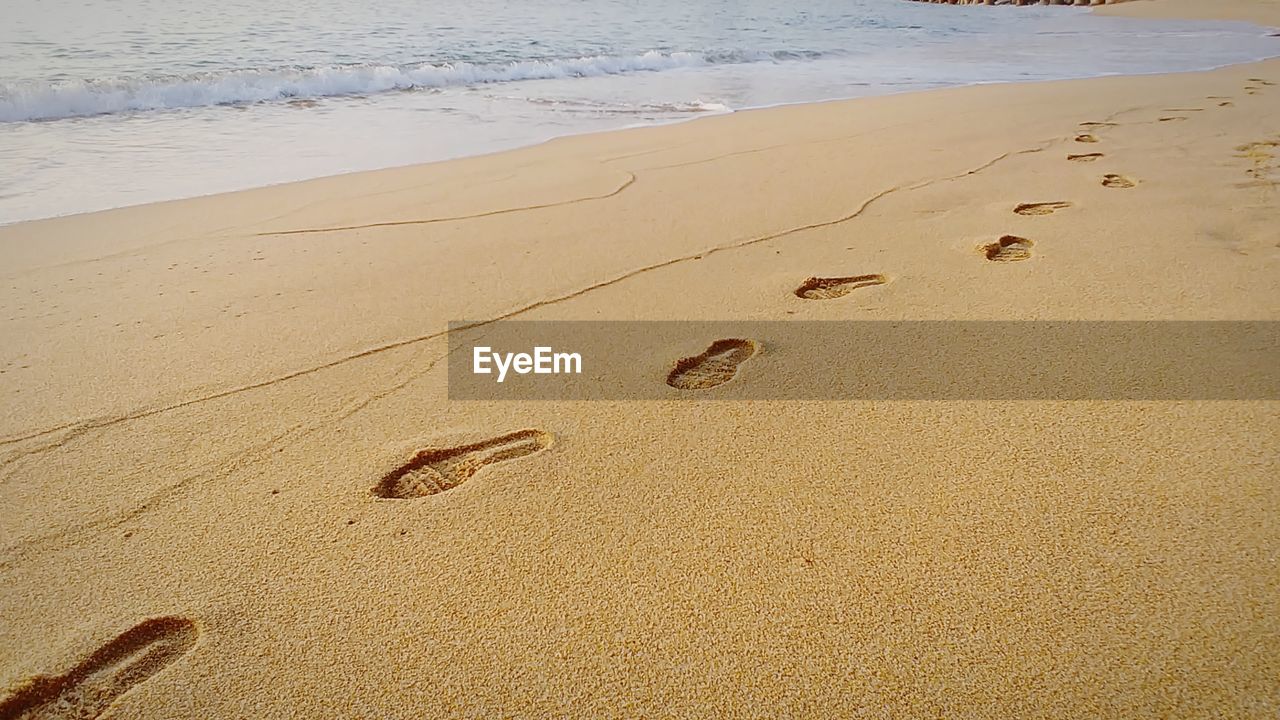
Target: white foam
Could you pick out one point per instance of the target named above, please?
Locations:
(28, 101)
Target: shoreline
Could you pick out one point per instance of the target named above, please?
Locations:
(587, 133)
(356, 177)
(228, 445)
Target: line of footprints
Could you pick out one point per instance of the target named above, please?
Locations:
(89, 689)
(436, 470)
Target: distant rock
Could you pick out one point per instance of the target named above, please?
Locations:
(1023, 2)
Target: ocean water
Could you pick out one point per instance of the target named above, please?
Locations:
(105, 103)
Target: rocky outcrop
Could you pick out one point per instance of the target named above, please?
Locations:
(1023, 2)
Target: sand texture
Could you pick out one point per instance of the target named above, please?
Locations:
(231, 485)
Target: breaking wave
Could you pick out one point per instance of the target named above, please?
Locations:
(32, 101)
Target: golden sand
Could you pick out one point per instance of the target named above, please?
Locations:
(233, 487)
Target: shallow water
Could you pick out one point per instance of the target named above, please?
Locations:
(105, 103)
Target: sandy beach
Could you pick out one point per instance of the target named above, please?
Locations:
(203, 396)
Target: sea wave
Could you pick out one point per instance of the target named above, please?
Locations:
(35, 101)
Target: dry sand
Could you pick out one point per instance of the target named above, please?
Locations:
(200, 396)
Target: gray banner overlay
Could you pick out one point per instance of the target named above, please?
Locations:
(865, 360)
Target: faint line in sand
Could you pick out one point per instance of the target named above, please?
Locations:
(72, 534)
(631, 178)
(80, 428)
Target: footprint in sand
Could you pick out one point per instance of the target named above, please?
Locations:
(1257, 150)
(88, 690)
(1086, 138)
(1009, 248)
(1261, 156)
(1044, 208)
(1097, 124)
(1261, 81)
(816, 288)
(1117, 181)
(716, 366)
(1085, 157)
(1184, 109)
(1226, 103)
(1172, 118)
(436, 470)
